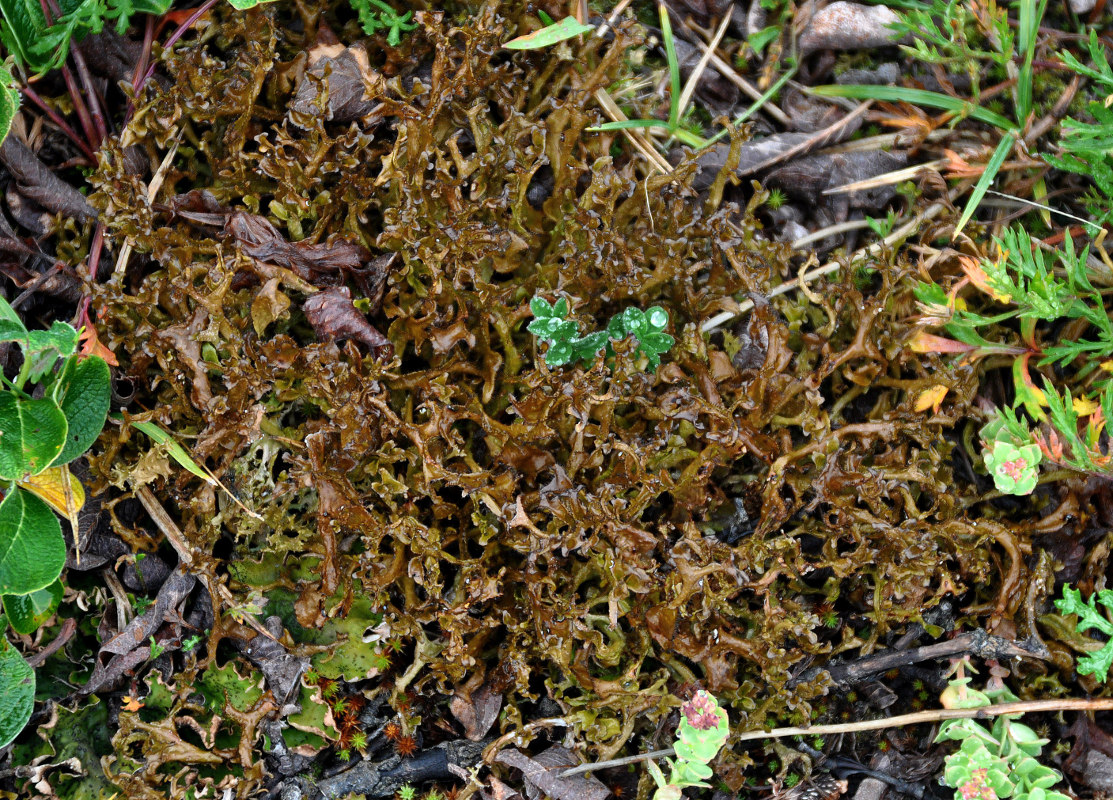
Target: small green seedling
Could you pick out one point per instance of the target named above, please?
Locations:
(566, 345)
(997, 762)
(1089, 616)
(375, 15)
(1010, 455)
(41, 431)
(702, 732)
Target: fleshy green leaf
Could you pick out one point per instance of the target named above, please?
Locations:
(32, 434)
(32, 550)
(26, 612)
(17, 687)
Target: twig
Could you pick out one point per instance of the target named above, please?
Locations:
(697, 73)
(152, 192)
(886, 179)
(69, 628)
(918, 718)
(905, 230)
(636, 138)
(817, 139)
(724, 68)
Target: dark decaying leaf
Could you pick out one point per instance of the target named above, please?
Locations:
(542, 773)
(325, 264)
(476, 708)
(806, 179)
(1090, 762)
(282, 669)
(130, 647)
(333, 317)
(40, 184)
(344, 74)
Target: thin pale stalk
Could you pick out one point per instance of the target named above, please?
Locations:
(918, 718)
(697, 73)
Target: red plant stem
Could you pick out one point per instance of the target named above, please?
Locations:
(178, 34)
(91, 93)
(94, 262)
(56, 118)
(79, 107)
(145, 55)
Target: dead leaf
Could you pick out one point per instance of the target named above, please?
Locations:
(931, 398)
(269, 304)
(543, 774)
(333, 316)
(476, 708)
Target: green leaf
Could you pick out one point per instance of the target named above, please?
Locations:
(17, 687)
(9, 101)
(244, 5)
(629, 123)
(83, 393)
(176, 451)
(1004, 147)
(567, 28)
(32, 434)
(32, 550)
(919, 97)
(21, 23)
(26, 612)
(541, 308)
(674, 65)
(7, 313)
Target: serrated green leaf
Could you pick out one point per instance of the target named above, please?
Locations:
(83, 393)
(32, 550)
(26, 612)
(567, 28)
(32, 434)
(17, 687)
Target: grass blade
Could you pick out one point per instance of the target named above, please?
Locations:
(674, 66)
(920, 97)
(991, 169)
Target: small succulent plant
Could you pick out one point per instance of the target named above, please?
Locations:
(566, 345)
(702, 732)
(1012, 460)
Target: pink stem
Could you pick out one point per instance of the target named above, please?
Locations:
(64, 126)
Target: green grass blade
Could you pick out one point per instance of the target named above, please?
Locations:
(991, 169)
(630, 123)
(919, 97)
(674, 66)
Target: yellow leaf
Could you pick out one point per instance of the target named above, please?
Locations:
(1084, 407)
(49, 488)
(931, 398)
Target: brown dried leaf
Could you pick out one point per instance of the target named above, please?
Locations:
(476, 709)
(333, 317)
(543, 774)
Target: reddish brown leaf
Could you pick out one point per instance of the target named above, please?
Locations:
(333, 316)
